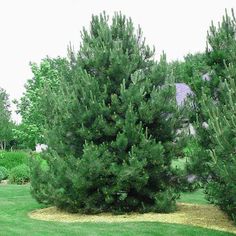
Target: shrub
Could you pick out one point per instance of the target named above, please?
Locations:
(19, 174)
(12, 159)
(3, 173)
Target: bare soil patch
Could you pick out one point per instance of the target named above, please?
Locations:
(207, 216)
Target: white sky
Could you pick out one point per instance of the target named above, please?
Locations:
(32, 29)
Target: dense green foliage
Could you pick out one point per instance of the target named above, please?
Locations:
(110, 126)
(10, 160)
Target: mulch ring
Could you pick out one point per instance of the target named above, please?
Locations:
(207, 216)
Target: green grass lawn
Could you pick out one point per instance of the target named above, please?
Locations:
(16, 202)
(196, 197)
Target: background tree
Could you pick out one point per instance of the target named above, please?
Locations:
(110, 127)
(6, 124)
(31, 129)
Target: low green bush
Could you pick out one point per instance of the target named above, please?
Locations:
(3, 173)
(20, 174)
(12, 159)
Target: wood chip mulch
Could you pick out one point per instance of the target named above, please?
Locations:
(207, 216)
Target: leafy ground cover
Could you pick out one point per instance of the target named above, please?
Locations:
(16, 202)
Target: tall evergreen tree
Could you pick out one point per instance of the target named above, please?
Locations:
(221, 188)
(214, 157)
(220, 109)
(110, 127)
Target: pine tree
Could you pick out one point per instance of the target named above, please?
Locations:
(221, 188)
(111, 126)
(217, 158)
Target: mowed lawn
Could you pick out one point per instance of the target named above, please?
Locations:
(16, 202)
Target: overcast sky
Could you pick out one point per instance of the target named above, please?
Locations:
(33, 29)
